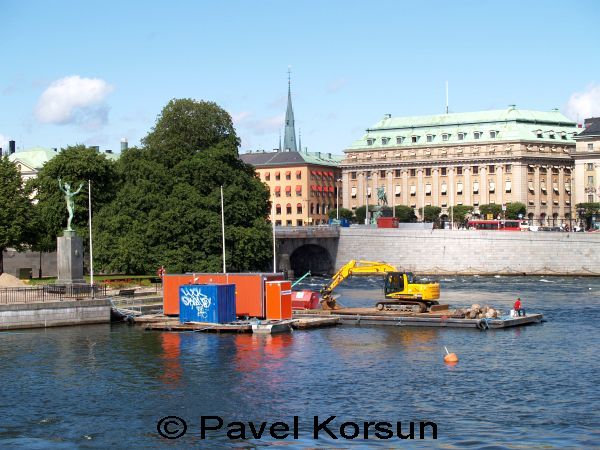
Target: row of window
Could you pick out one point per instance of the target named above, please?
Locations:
(461, 136)
(314, 175)
(491, 169)
(317, 208)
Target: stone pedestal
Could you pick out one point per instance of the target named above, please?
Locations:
(69, 258)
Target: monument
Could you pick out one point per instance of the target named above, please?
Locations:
(381, 202)
(69, 246)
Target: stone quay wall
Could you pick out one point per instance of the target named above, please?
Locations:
(473, 252)
(54, 314)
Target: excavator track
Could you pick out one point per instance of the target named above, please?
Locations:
(402, 305)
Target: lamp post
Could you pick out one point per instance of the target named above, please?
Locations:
(580, 213)
(366, 200)
(338, 181)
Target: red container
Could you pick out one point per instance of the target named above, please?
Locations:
(249, 290)
(387, 222)
(305, 300)
(279, 300)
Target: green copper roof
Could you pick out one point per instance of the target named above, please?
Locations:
(34, 157)
(460, 128)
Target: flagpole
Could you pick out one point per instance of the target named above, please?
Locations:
(223, 229)
(90, 225)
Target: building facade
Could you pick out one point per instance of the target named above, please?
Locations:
(304, 186)
(586, 159)
(476, 158)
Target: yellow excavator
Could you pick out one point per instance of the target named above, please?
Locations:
(401, 288)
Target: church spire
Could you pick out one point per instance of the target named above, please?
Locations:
(289, 137)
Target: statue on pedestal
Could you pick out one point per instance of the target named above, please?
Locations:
(66, 189)
(381, 202)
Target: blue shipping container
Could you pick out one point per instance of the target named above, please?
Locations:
(213, 303)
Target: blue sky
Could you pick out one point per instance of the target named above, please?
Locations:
(95, 71)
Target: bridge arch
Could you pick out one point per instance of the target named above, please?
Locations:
(313, 257)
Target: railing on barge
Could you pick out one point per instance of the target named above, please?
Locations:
(50, 293)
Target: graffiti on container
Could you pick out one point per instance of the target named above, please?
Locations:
(194, 297)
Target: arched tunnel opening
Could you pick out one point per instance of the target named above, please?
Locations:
(311, 257)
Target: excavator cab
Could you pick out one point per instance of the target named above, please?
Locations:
(394, 282)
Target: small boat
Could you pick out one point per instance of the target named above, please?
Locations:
(272, 326)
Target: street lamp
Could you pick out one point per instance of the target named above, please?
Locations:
(366, 200)
(338, 181)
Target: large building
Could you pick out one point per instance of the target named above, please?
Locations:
(586, 178)
(471, 159)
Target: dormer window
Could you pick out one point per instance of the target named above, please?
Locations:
(551, 134)
(385, 140)
(430, 137)
(414, 139)
(462, 136)
(370, 141)
(563, 135)
(445, 137)
(539, 134)
(399, 139)
(476, 134)
(493, 134)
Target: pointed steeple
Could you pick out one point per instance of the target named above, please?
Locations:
(289, 137)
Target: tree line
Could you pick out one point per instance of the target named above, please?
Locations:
(157, 205)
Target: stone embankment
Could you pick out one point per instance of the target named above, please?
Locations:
(470, 252)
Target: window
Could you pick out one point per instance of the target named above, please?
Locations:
(277, 176)
(590, 146)
(475, 170)
(278, 223)
(492, 186)
(385, 140)
(508, 168)
(413, 190)
(369, 192)
(551, 135)
(267, 176)
(353, 192)
(414, 139)
(278, 209)
(555, 170)
(530, 186)
(491, 169)
(443, 171)
(288, 209)
(382, 174)
(397, 173)
(543, 170)
(459, 171)
(428, 172)
(445, 137)
(539, 134)
(430, 137)
(444, 189)
(459, 188)
(397, 191)
(493, 134)
(591, 180)
(476, 134)
(298, 174)
(288, 175)
(461, 136)
(399, 139)
(288, 191)
(530, 169)
(353, 175)
(413, 172)
(427, 189)
(298, 191)
(476, 187)
(370, 141)
(590, 166)
(299, 208)
(591, 198)
(299, 222)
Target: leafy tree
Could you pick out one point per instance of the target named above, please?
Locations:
(344, 214)
(15, 209)
(168, 211)
(405, 213)
(75, 165)
(491, 208)
(460, 212)
(585, 212)
(359, 213)
(514, 209)
(430, 213)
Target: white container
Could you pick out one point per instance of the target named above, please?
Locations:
(513, 313)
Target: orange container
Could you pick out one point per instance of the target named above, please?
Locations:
(279, 300)
(249, 290)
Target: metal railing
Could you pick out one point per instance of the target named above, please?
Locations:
(50, 293)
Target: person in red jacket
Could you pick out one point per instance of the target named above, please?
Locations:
(518, 309)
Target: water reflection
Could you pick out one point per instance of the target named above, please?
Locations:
(171, 354)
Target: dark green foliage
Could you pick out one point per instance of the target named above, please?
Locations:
(430, 213)
(75, 165)
(168, 211)
(405, 213)
(459, 213)
(492, 208)
(344, 214)
(15, 209)
(514, 209)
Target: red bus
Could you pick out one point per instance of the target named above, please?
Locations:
(506, 225)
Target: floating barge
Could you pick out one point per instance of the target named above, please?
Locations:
(446, 319)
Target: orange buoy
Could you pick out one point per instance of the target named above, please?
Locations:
(450, 357)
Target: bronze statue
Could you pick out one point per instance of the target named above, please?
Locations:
(66, 188)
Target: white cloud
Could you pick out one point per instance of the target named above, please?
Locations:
(265, 126)
(582, 105)
(74, 100)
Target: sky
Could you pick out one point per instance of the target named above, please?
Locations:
(94, 72)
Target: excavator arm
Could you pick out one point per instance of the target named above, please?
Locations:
(353, 267)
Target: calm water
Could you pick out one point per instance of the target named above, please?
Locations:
(534, 387)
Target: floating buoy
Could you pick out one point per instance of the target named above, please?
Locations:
(450, 357)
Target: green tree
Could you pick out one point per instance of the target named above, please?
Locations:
(431, 214)
(459, 213)
(168, 211)
(75, 165)
(15, 209)
(405, 213)
(344, 214)
(585, 212)
(514, 209)
(491, 208)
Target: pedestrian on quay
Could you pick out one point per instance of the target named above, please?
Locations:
(518, 308)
